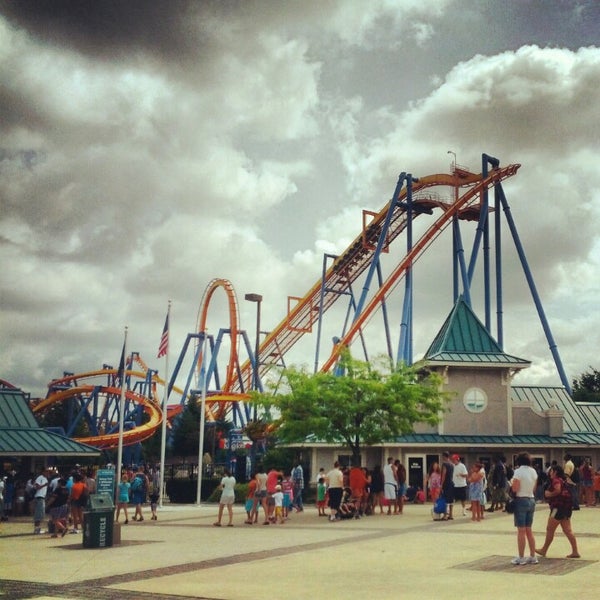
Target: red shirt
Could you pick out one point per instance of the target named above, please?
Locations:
(358, 481)
(272, 478)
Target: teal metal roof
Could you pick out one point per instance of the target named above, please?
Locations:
(576, 418)
(39, 442)
(568, 439)
(20, 435)
(464, 339)
(14, 411)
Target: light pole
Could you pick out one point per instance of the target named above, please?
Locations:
(258, 299)
(453, 154)
(202, 418)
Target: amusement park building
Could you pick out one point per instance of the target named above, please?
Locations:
(486, 415)
(22, 440)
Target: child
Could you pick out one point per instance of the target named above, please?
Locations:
(278, 500)
(475, 490)
(321, 497)
(123, 498)
(153, 503)
(287, 487)
(250, 498)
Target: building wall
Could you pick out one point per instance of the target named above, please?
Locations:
(495, 419)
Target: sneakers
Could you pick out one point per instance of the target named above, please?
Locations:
(524, 560)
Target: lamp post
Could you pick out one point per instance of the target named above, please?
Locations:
(258, 299)
(202, 419)
(454, 155)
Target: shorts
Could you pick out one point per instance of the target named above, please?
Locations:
(261, 494)
(335, 498)
(227, 499)
(560, 513)
(524, 509)
(402, 490)
(448, 495)
(59, 512)
(249, 504)
(460, 493)
(389, 491)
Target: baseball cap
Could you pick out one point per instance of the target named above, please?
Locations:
(455, 457)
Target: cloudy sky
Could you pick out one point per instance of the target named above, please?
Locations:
(149, 147)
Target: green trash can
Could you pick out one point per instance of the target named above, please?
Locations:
(98, 522)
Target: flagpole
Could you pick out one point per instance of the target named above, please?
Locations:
(121, 412)
(202, 420)
(163, 439)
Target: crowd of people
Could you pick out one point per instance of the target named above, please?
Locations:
(56, 499)
(341, 493)
(354, 492)
(60, 498)
(516, 489)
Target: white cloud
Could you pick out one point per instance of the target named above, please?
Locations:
(128, 181)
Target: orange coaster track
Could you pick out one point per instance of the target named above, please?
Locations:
(303, 312)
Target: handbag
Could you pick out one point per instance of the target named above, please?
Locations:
(509, 507)
(511, 502)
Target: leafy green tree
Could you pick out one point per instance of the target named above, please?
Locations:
(369, 404)
(587, 387)
(186, 435)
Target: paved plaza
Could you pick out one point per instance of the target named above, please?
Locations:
(182, 556)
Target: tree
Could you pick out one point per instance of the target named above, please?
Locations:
(587, 387)
(186, 435)
(364, 406)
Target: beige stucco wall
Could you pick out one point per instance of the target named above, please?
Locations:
(495, 419)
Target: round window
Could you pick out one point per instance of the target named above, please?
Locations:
(475, 400)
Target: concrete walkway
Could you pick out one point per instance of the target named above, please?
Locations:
(181, 555)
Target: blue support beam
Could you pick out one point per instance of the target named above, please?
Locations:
(534, 293)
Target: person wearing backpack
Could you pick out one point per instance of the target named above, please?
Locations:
(560, 499)
(139, 488)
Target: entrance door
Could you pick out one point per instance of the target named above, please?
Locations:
(416, 471)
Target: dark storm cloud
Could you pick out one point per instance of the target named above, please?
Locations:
(107, 28)
(17, 111)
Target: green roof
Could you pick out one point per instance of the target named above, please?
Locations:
(20, 435)
(464, 339)
(568, 439)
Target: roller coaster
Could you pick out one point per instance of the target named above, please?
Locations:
(460, 196)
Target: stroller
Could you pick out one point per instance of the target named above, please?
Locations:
(348, 509)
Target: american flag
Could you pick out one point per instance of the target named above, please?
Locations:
(163, 347)
(121, 370)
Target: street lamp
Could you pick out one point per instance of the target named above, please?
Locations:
(453, 154)
(258, 299)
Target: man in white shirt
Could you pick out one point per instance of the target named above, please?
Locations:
(39, 500)
(390, 484)
(459, 478)
(335, 485)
